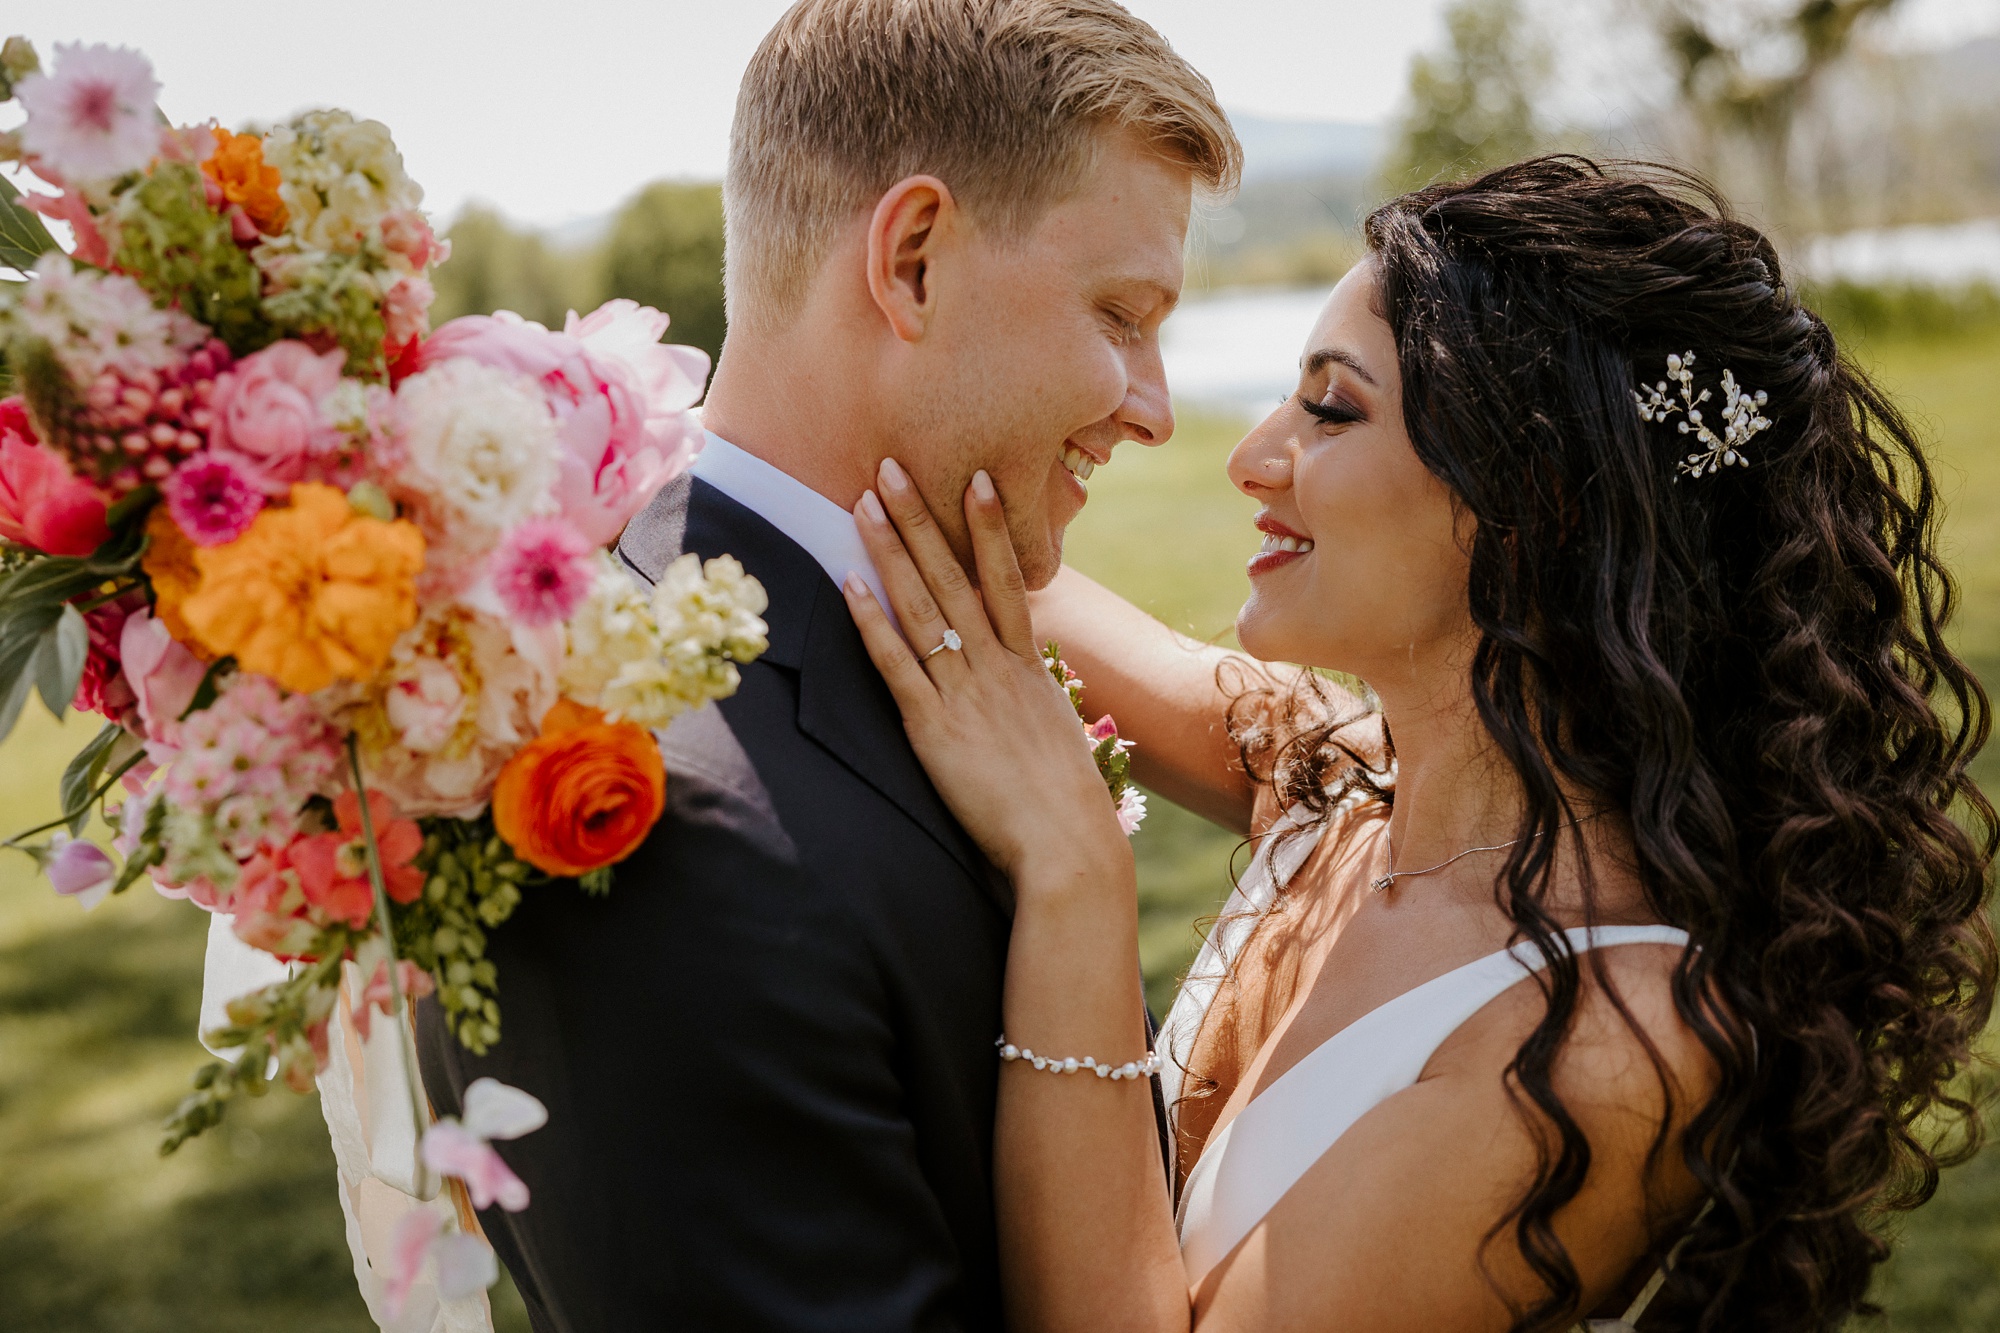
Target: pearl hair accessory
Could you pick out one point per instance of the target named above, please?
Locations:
(1741, 417)
(1145, 1068)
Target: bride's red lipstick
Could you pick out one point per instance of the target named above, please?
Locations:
(1282, 546)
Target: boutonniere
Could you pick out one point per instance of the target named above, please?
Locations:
(1112, 752)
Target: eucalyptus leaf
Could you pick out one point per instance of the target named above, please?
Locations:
(23, 238)
(60, 658)
(79, 780)
(21, 634)
(13, 695)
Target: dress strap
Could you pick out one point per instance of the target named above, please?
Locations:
(1255, 1159)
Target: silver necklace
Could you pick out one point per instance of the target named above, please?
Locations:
(1377, 885)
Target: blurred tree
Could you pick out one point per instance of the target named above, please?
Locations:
(665, 250)
(1473, 105)
(1747, 68)
(496, 266)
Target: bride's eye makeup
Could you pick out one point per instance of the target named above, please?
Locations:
(1334, 409)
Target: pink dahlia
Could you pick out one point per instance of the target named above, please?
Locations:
(92, 119)
(212, 499)
(542, 571)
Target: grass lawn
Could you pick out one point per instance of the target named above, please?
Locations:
(241, 1230)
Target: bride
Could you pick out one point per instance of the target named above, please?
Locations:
(1624, 936)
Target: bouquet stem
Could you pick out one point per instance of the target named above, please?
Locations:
(426, 1183)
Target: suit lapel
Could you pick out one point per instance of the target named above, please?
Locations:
(843, 704)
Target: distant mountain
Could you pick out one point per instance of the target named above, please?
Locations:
(1291, 149)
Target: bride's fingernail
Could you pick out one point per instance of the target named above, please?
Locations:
(982, 486)
(892, 475)
(856, 585)
(872, 507)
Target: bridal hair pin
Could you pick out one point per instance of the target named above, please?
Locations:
(1742, 415)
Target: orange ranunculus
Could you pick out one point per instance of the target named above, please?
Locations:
(238, 168)
(311, 594)
(582, 796)
(169, 564)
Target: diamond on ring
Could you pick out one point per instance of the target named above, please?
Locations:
(952, 643)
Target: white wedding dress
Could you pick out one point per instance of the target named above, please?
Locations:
(1256, 1158)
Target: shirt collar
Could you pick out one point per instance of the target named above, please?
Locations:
(821, 528)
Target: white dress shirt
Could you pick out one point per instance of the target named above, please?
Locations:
(826, 531)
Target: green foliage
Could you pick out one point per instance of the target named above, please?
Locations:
(663, 249)
(1866, 311)
(42, 636)
(494, 266)
(337, 298)
(472, 883)
(23, 237)
(1472, 106)
(180, 250)
(279, 1021)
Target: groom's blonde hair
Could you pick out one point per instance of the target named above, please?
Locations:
(1003, 100)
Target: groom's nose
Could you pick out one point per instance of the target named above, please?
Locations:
(1147, 414)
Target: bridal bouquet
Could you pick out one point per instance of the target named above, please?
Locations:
(338, 584)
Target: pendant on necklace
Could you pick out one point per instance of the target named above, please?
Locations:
(1377, 885)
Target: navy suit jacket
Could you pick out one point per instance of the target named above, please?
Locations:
(767, 1053)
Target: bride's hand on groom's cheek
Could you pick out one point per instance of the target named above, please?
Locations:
(998, 736)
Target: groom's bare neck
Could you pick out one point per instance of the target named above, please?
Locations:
(805, 400)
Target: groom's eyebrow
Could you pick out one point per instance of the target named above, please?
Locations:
(1325, 356)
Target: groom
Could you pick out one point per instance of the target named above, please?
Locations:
(954, 227)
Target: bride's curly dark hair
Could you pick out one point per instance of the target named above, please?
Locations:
(1750, 664)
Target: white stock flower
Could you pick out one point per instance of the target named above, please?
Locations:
(649, 659)
(339, 178)
(479, 450)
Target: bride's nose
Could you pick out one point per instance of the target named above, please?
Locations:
(1262, 463)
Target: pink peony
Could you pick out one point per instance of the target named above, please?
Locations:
(161, 672)
(621, 399)
(268, 413)
(42, 503)
(542, 571)
(212, 499)
(92, 119)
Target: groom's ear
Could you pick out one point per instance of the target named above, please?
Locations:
(903, 240)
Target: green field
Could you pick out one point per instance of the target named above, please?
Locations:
(241, 1230)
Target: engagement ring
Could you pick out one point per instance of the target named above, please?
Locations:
(951, 643)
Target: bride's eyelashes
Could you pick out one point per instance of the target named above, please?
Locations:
(1334, 411)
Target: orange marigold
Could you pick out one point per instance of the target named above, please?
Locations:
(582, 796)
(311, 594)
(169, 564)
(238, 167)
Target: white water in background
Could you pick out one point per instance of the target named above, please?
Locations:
(1239, 351)
(1946, 256)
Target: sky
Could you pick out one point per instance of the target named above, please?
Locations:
(558, 112)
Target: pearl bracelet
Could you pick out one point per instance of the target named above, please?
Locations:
(1145, 1068)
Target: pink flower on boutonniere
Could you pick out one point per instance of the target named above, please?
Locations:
(463, 1147)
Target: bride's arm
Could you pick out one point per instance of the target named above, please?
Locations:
(1162, 687)
(1172, 696)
